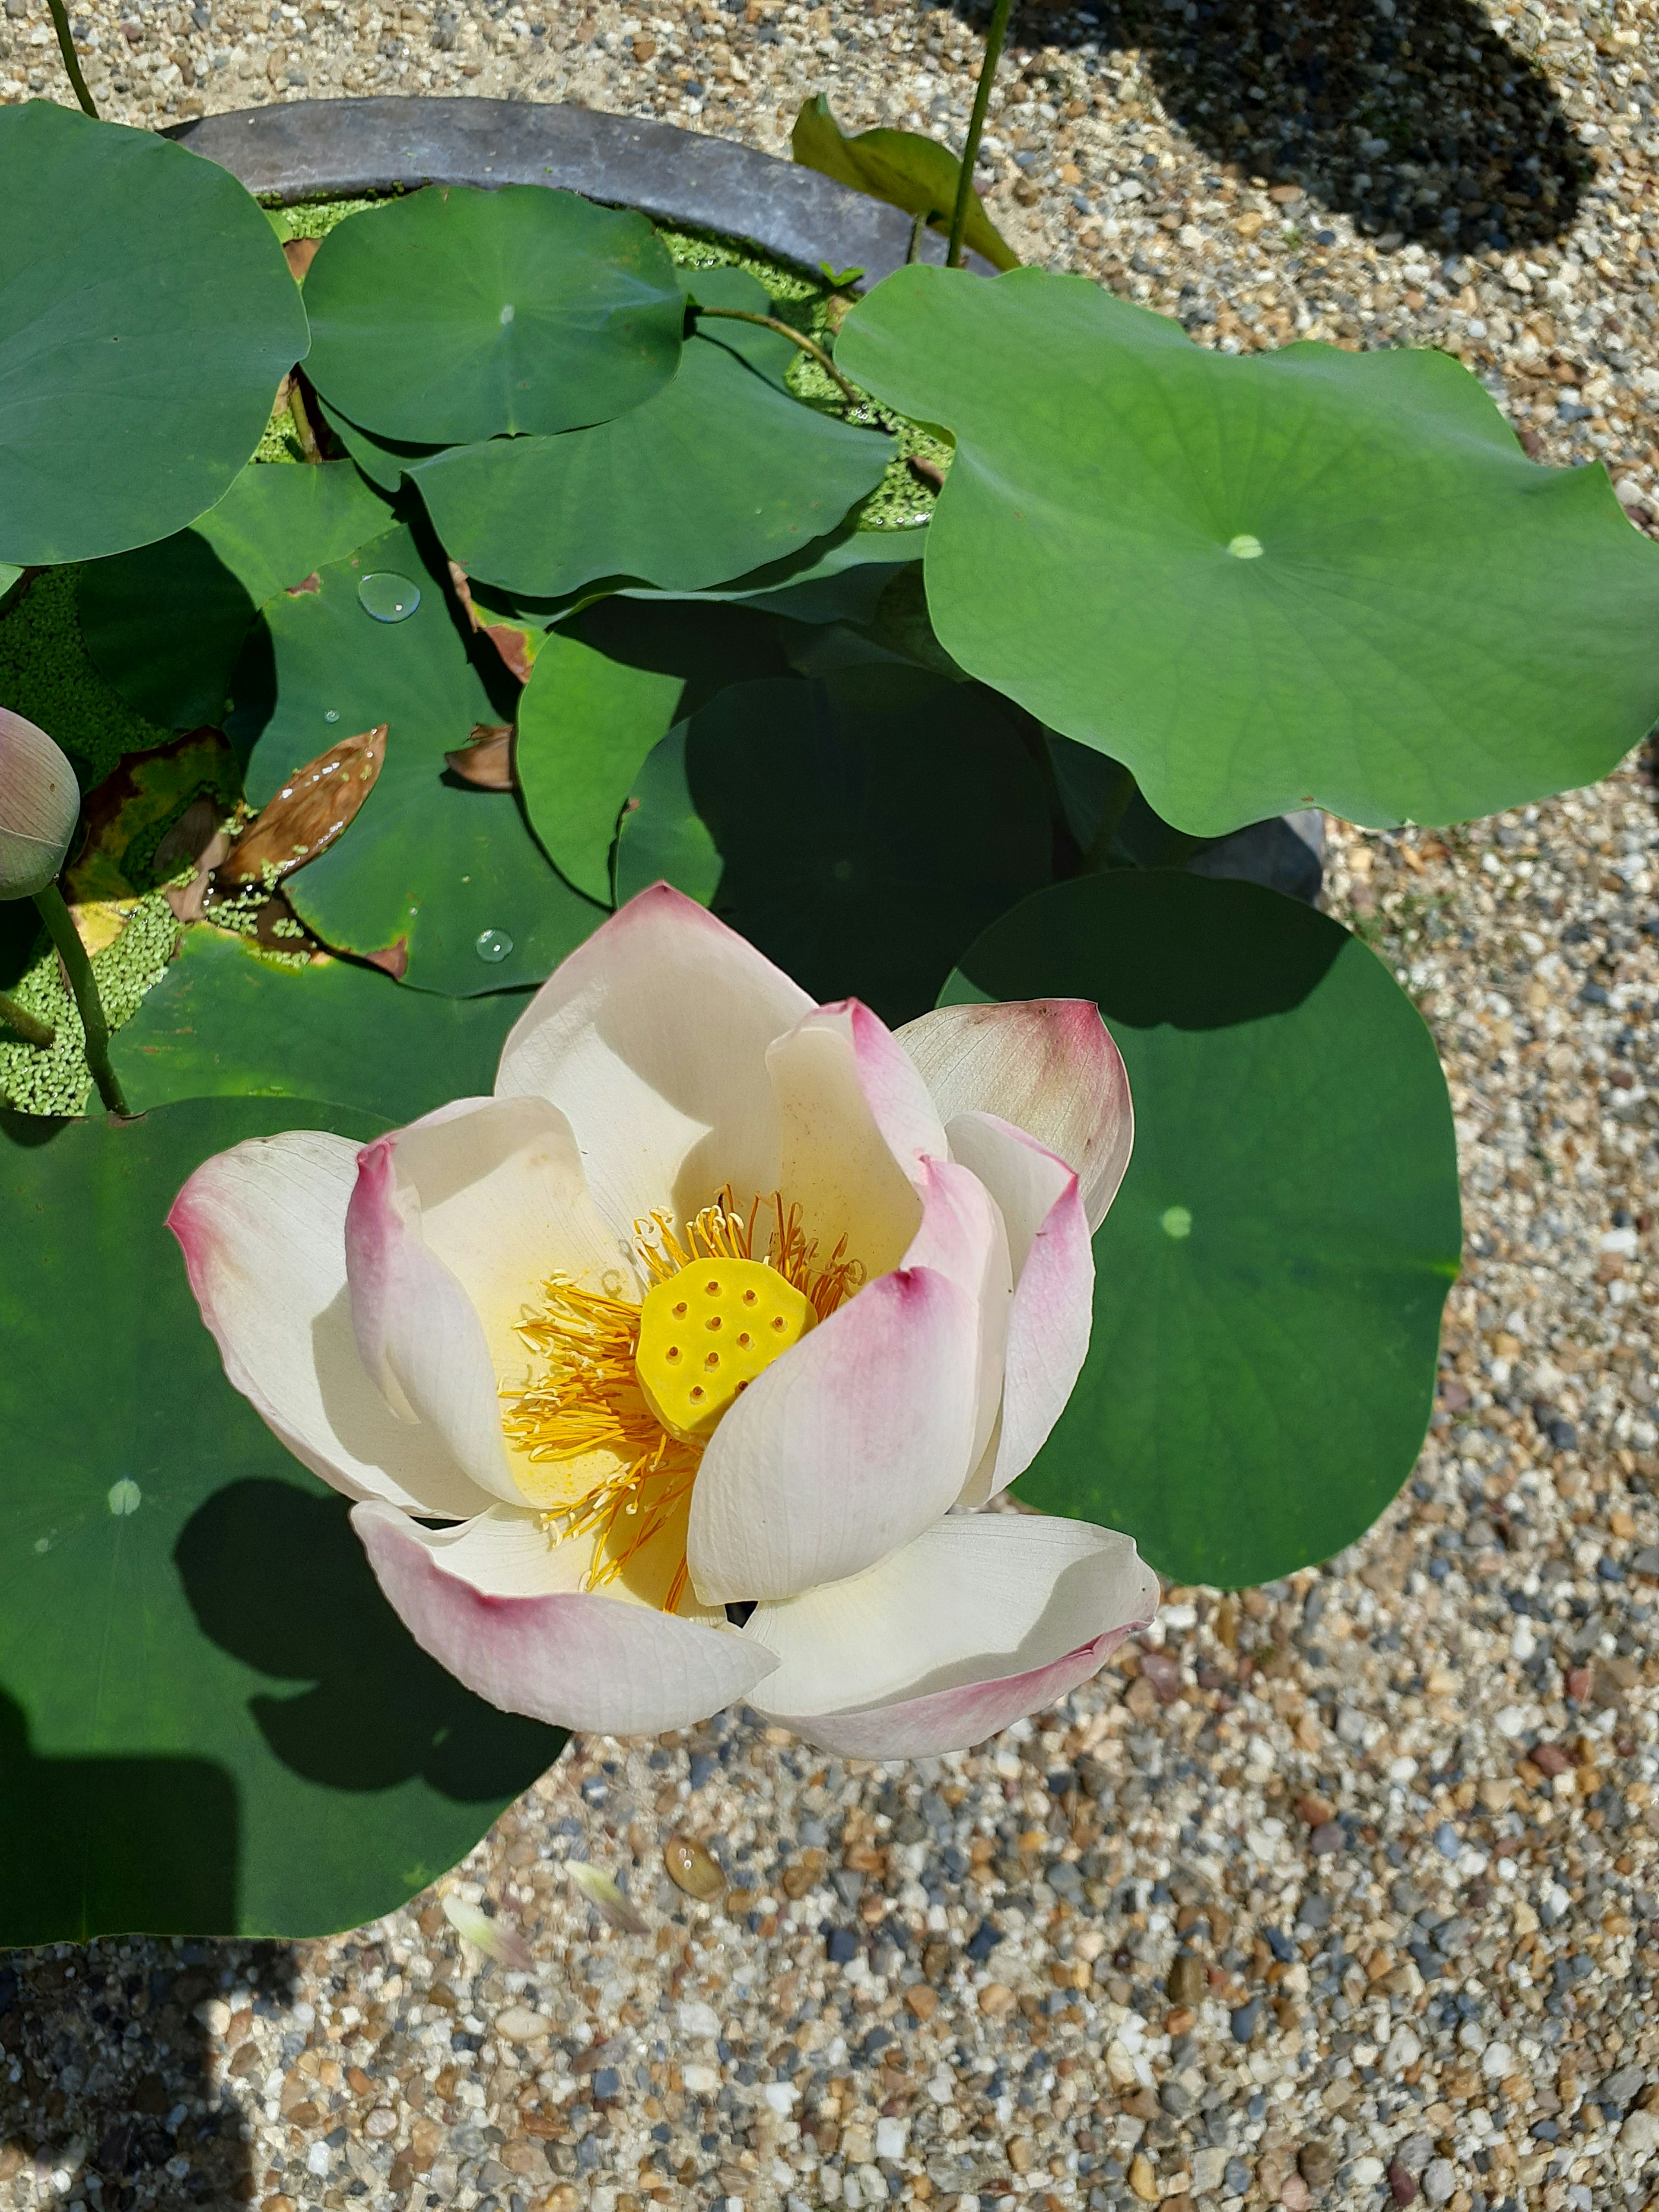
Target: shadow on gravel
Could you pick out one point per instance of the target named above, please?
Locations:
(1409, 115)
(92, 2100)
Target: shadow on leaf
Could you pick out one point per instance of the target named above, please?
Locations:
(186, 1809)
(279, 1580)
(1159, 947)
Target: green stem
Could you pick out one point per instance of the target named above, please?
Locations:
(917, 229)
(296, 407)
(28, 1025)
(78, 969)
(988, 70)
(854, 397)
(71, 63)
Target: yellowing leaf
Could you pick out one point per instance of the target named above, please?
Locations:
(900, 167)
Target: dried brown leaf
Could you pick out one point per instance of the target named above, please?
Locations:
(394, 959)
(486, 759)
(317, 804)
(511, 640)
(300, 253)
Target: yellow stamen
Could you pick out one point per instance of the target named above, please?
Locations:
(610, 1434)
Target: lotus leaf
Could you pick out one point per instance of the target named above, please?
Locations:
(444, 883)
(166, 622)
(858, 829)
(130, 398)
(246, 1684)
(1269, 580)
(226, 1020)
(456, 314)
(718, 474)
(1269, 1280)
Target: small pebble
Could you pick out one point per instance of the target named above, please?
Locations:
(692, 1868)
(1439, 2181)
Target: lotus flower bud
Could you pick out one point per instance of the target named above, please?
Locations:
(40, 805)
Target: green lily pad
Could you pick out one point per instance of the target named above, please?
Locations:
(859, 828)
(456, 314)
(166, 621)
(211, 1721)
(1269, 1281)
(146, 317)
(225, 1021)
(443, 882)
(382, 460)
(900, 167)
(718, 474)
(1266, 581)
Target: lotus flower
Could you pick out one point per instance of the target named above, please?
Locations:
(40, 805)
(704, 1337)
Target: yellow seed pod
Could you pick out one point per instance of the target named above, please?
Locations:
(707, 1332)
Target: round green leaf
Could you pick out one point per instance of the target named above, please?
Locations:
(211, 1721)
(721, 473)
(226, 1021)
(443, 881)
(1268, 1283)
(165, 623)
(858, 829)
(456, 314)
(146, 317)
(1263, 581)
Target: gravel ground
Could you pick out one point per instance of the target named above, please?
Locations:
(1337, 1892)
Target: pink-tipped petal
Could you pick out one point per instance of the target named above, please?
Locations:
(984, 1618)
(262, 1231)
(504, 1204)
(418, 1333)
(651, 1038)
(845, 1447)
(963, 1236)
(1049, 1067)
(855, 1125)
(1053, 1310)
(493, 1602)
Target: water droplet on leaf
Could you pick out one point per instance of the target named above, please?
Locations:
(330, 714)
(1176, 1221)
(506, 314)
(124, 1498)
(387, 596)
(493, 944)
(1244, 547)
